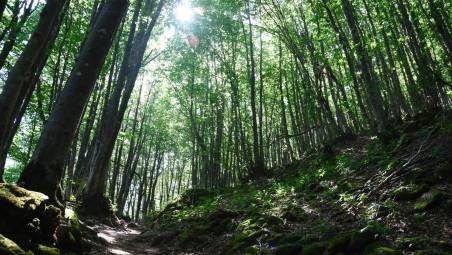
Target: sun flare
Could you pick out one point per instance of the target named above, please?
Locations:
(184, 12)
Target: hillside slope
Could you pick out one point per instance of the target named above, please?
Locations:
(363, 198)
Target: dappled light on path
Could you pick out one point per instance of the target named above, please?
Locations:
(121, 241)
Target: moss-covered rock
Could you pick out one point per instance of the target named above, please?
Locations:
(428, 200)
(8, 247)
(409, 192)
(352, 241)
(26, 219)
(45, 250)
(19, 206)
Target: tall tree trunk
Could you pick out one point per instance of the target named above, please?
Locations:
(258, 166)
(23, 76)
(373, 94)
(112, 119)
(44, 172)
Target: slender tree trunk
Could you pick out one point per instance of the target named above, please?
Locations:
(258, 167)
(112, 119)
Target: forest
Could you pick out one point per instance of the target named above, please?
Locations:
(225, 127)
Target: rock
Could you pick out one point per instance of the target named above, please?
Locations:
(8, 247)
(69, 238)
(45, 250)
(19, 206)
(50, 220)
(354, 241)
(409, 192)
(26, 219)
(428, 200)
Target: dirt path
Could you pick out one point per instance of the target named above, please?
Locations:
(121, 241)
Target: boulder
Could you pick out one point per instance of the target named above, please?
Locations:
(19, 206)
(25, 216)
(8, 247)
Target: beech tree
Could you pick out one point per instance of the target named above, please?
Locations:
(22, 78)
(55, 141)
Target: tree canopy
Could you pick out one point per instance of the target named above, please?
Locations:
(171, 95)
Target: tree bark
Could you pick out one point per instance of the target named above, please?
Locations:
(44, 172)
(112, 119)
(23, 76)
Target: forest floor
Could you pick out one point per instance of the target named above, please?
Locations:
(366, 198)
(120, 241)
